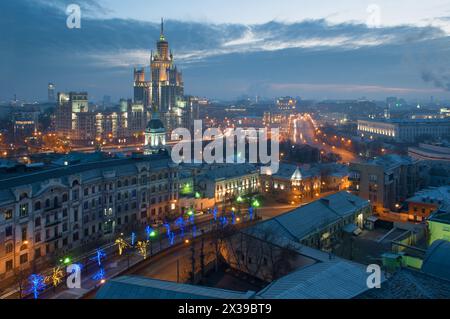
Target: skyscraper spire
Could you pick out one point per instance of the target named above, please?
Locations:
(161, 37)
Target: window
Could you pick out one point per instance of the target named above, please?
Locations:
(37, 253)
(9, 265)
(8, 248)
(23, 258)
(24, 233)
(86, 191)
(8, 231)
(37, 237)
(37, 222)
(65, 197)
(23, 210)
(37, 206)
(75, 236)
(8, 214)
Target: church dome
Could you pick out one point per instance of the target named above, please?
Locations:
(155, 124)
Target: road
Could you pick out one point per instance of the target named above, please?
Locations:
(304, 132)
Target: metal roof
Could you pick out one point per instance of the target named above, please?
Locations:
(136, 287)
(312, 217)
(437, 260)
(337, 279)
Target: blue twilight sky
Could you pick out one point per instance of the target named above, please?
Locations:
(227, 48)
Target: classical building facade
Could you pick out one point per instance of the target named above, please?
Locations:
(52, 211)
(292, 184)
(404, 130)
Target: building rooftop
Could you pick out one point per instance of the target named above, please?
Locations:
(302, 221)
(392, 161)
(437, 260)
(433, 195)
(335, 279)
(410, 284)
(135, 287)
(224, 171)
(287, 171)
(88, 171)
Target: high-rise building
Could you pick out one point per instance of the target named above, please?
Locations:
(164, 92)
(141, 87)
(51, 93)
(71, 115)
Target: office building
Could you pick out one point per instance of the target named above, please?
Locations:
(386, 181)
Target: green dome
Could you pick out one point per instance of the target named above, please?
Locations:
(155, 124)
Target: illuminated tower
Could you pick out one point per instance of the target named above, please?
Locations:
(167, 92)
(51, 93)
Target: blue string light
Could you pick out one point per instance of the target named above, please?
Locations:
(37, 284)
(99, 275)
(167, 229)
(133, 238)
(215, 213)
(172, 238)
(250, 212)
(99, 255)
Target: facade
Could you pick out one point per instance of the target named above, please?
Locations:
(50, 212)
(224, 182)
(25, 122)
(293, 184)
(385, 181)
(141, 88)
(155, 137)
(404, 130)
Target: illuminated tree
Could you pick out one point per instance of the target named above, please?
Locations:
(142, 248)
(56, 277)
(37, 284)
(121, 245)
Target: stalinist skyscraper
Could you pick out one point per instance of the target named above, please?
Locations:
(166, 88)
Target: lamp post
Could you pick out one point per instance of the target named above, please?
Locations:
(256, 204)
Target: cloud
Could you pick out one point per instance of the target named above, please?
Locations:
(441, 80)
(218, 59)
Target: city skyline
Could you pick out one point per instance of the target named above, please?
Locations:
(406, 59)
